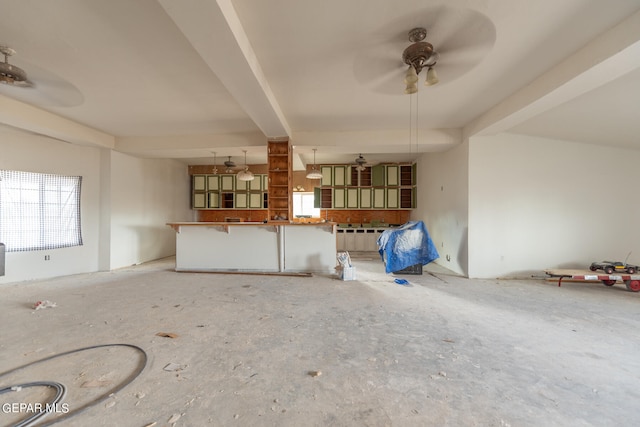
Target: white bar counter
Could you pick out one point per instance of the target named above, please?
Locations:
(255, 247)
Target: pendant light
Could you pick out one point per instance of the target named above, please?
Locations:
(314, 173)
(215, 167)
(245, 174)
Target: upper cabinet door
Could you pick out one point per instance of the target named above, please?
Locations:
(352, 198)
(226, 182)
(365, 198)
(392, 176)
(378, 176)
(241, 185)
(255, 184)
(199, 182)
(327, 175)
(213, 182)
(339, 176)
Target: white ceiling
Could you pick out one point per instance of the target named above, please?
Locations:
(184, 79)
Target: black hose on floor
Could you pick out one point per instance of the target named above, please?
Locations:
(61, 390)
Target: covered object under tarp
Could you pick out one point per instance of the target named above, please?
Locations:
(406, 246)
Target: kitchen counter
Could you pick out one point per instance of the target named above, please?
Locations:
(255, 246)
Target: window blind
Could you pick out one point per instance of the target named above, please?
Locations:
(39, 211)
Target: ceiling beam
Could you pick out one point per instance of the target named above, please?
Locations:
(604, 59)
(23, 116)
(214, 30)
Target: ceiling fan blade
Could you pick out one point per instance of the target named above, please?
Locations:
(44, 89)
(462, 37)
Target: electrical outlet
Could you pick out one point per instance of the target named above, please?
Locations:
(47, 257)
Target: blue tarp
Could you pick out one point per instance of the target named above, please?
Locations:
(405, 246)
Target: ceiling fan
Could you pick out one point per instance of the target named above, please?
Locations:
(12, 74)
(361, 163)
(37, 86)
(450, 39)
(230, 165)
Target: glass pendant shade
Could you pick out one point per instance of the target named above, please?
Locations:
(411, 77)
(245, 175)
(314, 173)
(411, 88)
(432, 77)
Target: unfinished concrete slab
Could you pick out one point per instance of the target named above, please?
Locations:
(235, 350)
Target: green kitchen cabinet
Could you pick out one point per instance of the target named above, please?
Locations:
(255, 200)
(392, 198)
(379, 200)
(366, 198)
(352, 198)
(327, 176)
(199, 182)
(213, 182)
(226, 182)
(199, 200)
(241, 201)
(213, 199)
(339, 176)
(392, 176)
(240, 185)
(378, 176)
(339, 196)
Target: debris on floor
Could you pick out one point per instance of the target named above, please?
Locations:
(174, 418)
(314, 373)
(173, 367)
(167, 335)
(345, 270)
(44, 304)
(402, 282)
(95, 383)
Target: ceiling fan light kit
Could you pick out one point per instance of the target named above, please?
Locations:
(419, 55)
(360, 163)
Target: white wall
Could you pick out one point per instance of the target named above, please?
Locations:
(536, 203)
(125, 204)
(32, 153)
(442, 203)
(145, 195)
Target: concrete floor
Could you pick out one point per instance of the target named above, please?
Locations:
(442, 351)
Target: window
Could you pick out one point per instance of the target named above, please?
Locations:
(303, 205)
(39, 211)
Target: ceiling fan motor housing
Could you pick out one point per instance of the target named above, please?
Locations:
(420, 54)
(10, 74)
